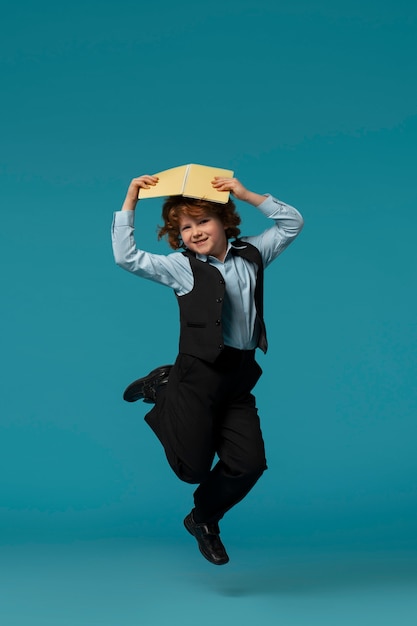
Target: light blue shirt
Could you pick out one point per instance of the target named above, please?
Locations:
(174, 270)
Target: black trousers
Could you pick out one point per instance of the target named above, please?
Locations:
(208, 409)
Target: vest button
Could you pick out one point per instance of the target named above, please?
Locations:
(221, 346)
(221, 281)
(218, 322)
(219, 299)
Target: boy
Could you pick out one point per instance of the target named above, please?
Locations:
(203, 404)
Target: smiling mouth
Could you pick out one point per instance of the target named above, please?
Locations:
(200, 241)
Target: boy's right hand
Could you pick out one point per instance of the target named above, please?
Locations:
(145, 182)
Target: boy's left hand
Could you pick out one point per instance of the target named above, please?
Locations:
(237, 189)
(231, 184)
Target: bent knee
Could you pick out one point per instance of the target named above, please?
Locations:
(250, 468)
(191, 475)
(257, 469)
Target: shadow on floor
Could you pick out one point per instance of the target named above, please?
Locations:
(318, 573)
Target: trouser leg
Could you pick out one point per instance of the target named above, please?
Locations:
(241, 453)
(207, 409)
(183, 421)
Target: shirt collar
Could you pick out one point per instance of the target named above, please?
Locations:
(205, 258)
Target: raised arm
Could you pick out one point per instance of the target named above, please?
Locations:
(172, 270)
(288, 221)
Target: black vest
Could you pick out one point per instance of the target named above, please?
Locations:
(201, 333)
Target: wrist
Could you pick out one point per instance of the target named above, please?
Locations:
(254, 198)
(129, 204)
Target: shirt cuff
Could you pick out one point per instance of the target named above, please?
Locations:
(123, 218)
(271, 207)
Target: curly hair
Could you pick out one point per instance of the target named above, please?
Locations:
(175, 206)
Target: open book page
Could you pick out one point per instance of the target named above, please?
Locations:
(198, 183)
(171, 183)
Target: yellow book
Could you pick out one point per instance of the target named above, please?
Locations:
(192, 181)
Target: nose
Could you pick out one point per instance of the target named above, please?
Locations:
(196, 231)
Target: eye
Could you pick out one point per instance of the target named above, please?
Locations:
(184, 228)
(204, 220)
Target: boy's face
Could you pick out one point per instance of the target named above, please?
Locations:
(204, 234)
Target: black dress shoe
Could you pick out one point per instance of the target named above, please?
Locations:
(145, 388)
(208, 539)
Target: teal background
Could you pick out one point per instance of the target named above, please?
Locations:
(314, 102)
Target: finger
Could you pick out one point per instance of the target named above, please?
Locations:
(146, 181)
(224, 183)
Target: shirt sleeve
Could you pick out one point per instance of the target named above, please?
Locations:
(172, 270)
(288, 224)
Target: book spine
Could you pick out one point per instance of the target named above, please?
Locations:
(185, 178)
